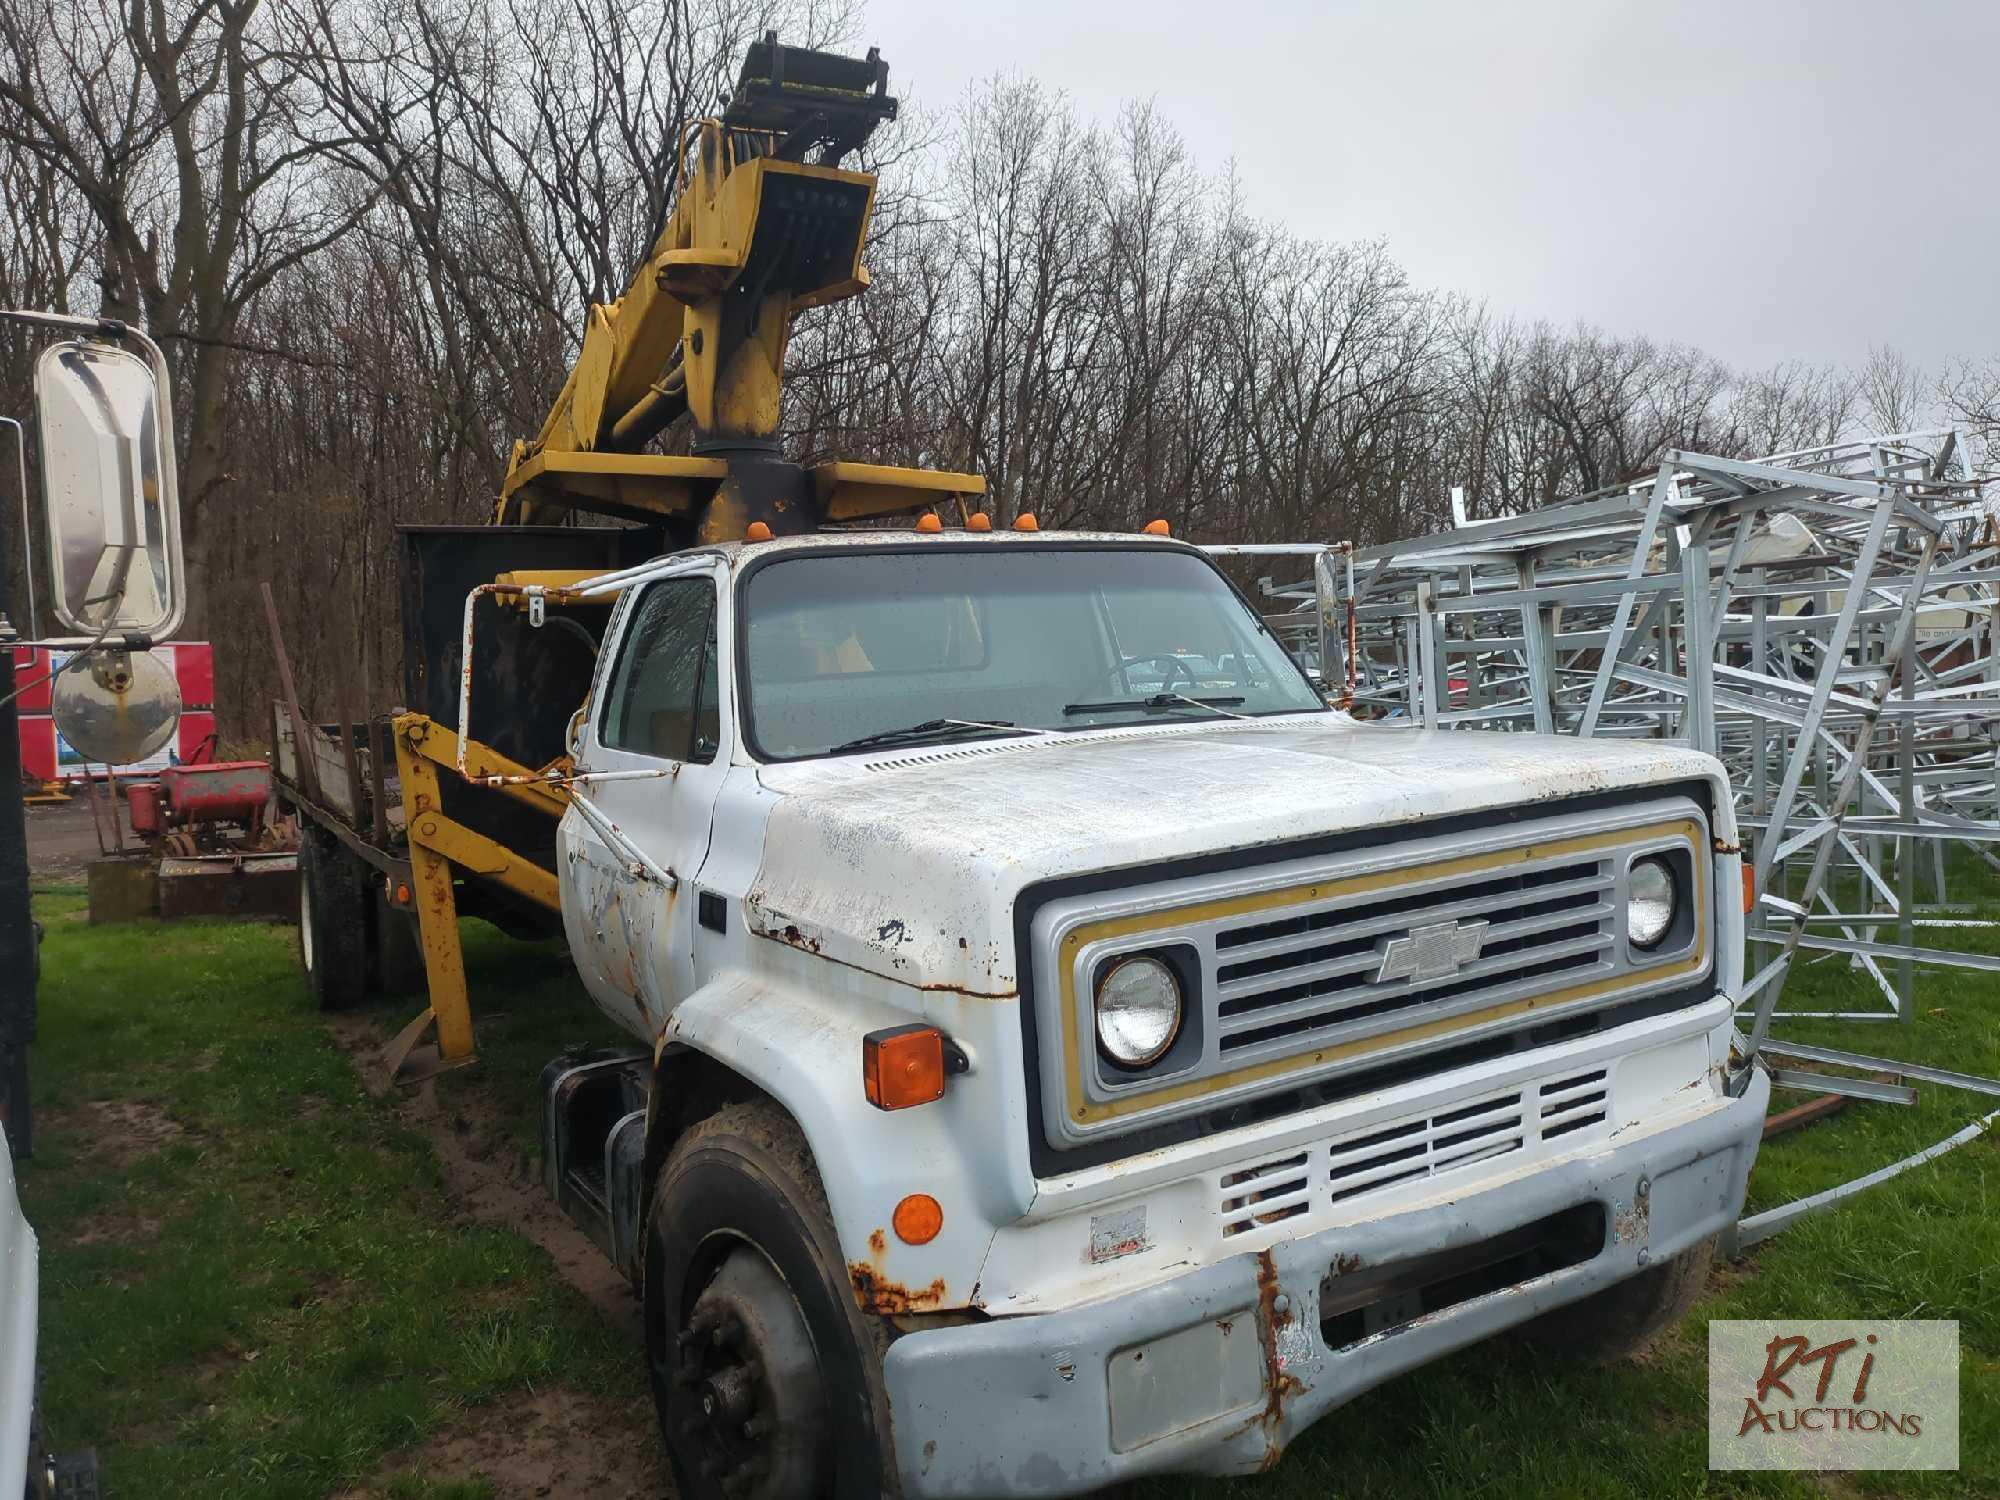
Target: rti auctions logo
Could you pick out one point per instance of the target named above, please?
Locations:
(1824, 1395)
(1782, 1356)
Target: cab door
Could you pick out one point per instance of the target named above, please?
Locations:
(637, 832)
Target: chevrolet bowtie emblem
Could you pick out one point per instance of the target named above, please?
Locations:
(1434, 952)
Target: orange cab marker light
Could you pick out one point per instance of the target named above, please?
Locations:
(902, 1066)
(1026, 521)
(757, 531)
(1749, 887)
(1157, 528)
(929, 525)
(979, 521)
(402, 893)
(917, 1219)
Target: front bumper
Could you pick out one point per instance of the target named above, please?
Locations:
(1061, 1403)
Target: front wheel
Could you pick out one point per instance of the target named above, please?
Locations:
(766, 1375)
(1621, 1320)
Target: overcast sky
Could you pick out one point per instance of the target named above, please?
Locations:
(1767, 179)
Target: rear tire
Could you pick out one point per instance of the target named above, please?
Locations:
(333, 922)
(1622, 1320)
(766, 1375)
(397, 954)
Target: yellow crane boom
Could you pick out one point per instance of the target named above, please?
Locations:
(757, 234)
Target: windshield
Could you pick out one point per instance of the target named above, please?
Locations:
(979, 641)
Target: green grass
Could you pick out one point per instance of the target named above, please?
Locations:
(257, 1284)
(253, 1283)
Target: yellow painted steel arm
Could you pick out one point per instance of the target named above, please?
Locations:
(755, 234)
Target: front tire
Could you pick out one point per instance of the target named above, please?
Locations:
(1621, 1320)
(767, 1376)
(333, 923)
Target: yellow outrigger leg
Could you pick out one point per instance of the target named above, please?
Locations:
(437, 844)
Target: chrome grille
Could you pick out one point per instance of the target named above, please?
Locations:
(1321, 967)
(1372, 964)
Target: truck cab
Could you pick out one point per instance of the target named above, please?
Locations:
(1060, 1064)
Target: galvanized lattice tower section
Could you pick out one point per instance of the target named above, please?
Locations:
(1825, 621)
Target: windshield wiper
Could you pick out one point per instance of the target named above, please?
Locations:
(1157, 701)
(930, 729)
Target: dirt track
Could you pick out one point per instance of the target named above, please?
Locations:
(62, 840)
(554, 1441)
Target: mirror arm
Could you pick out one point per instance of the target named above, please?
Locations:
(109, 328)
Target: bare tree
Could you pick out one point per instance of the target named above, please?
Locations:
(178, 129)
(370, 231)
(1893, 391)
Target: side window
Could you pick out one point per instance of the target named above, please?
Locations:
(664, 688)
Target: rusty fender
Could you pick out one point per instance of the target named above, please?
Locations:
(803, 1047)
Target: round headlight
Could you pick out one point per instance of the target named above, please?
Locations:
(1650, 912)
(1138, 1012)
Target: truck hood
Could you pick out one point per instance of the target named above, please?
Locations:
(908, 864)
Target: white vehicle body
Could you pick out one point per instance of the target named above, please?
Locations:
(1207, 1220)
(20, 1279)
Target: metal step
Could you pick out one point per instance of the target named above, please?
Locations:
(593, 1145)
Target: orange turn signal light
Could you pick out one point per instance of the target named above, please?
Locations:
(1749, 887)
(979, 521)
(1026, 521)
(902, 1066)
(1157, 528)
(757, 531)
(929, 525)
(917, 1219)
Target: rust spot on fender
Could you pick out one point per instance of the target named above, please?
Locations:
(878, 1294)
(1343, 1264)
(790, 935)
(878, 1242)
(793, 937)
(942, 988)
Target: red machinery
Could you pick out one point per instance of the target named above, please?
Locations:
(185, 808)
(209, 827)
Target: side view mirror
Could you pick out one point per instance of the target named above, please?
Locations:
(108, 483)
(1333, 587)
